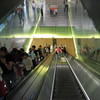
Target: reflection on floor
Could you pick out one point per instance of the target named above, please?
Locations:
(76, 17)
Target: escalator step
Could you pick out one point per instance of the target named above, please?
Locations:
(67, 95)
(66, 91)
(67, 99)
(65, 87)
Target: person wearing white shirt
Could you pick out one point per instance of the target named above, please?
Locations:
(27, 62)
(34, 6)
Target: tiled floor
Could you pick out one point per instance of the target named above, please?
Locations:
(76, 16)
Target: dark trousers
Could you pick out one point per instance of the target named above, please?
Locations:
(34, 63)
(41, 12)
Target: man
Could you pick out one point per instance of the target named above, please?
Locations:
(40, 50)
(33, 56)
(42, 8)
(34, 6)
(36, 53)
(27, 63)
(6, 64)
(65, 5)
(20, 14)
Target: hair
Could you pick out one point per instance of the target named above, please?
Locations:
(33, 46)
(4, 49)
(40, 46)
(24, 54)
(22, 49)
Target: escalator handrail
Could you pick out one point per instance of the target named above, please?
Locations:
(53, 82)
(22, 82)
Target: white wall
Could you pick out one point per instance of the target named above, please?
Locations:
(10, 43)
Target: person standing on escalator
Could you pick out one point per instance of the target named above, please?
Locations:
(6, 63)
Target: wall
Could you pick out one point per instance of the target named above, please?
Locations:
(7, 5)
(67, 42)
(93, 8)
(10, 43)
(42, 41)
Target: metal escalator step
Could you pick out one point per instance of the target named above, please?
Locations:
(67, 96)
(65, 83)
(65, 87)
(66, 91)
(70, 85)
(67, 99)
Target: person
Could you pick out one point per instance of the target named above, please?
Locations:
(59, 51)
(27, 63)
(6, 64)
(20, 14)
(46, 51)
(56, 53)
(40, 50)
(36, 53)
(34, 6)
(33, 56)
(41, 8)
(3, 91)
(65, 5)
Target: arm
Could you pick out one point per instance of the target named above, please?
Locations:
(8, 65)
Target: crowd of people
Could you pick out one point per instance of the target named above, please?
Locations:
(59, 52)
(17, 64)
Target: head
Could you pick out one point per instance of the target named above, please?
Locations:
(3, 51)
(33, 47)
(22, 49)
(40, 46)
(30, 49)
(24, 55)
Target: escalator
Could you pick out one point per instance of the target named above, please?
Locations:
(29, 87)
(65, 85)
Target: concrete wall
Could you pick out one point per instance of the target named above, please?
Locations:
(93, 8)
(42, 41)
(7, 5)
(10, 43)
(69, 44)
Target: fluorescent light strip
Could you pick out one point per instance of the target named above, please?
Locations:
(70, 20)
(33, 34)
